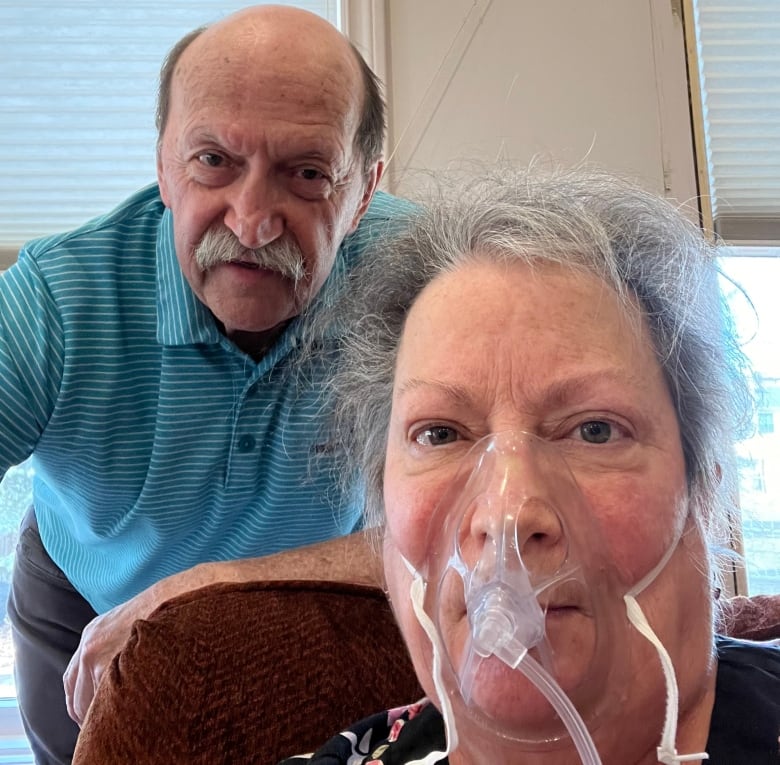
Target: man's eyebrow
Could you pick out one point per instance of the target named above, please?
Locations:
(203, 135)
(457, 393)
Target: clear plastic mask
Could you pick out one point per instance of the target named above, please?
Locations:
(526, 612)
(514, 546)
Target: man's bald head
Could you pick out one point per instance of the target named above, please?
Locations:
(287, 33)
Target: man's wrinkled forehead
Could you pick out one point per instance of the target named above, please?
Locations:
(255, 61)
(275, 41)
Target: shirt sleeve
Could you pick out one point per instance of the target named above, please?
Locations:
(31, 359)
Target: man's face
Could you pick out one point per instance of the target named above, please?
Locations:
(258, 151)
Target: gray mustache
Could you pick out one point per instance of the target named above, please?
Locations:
(219, 245)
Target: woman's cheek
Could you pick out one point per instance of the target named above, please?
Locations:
(637, 526)
(408, 510)
(398, 580)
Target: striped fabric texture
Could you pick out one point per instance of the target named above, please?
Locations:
(156, 443)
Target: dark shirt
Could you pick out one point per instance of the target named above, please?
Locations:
(744, 729)
(745, 724)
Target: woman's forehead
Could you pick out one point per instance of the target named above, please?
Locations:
(518, 328)
(550, 302)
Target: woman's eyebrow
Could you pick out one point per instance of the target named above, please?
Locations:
(456, 393)
(559, 392)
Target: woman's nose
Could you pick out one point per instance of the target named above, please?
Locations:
(531, 524)
(518, 500)
(253, 213)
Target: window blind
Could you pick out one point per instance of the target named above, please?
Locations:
(77, 104)
(739, 69)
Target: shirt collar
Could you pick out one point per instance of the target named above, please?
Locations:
(181, 318)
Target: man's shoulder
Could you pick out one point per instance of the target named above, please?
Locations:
(384, 205)
(385, 214)
(131, 224)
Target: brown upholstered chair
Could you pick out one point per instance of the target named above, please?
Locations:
(247, 673)
(251, 673)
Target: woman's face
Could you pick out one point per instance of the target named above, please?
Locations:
(491, 348)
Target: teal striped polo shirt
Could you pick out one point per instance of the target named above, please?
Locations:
(157, 444)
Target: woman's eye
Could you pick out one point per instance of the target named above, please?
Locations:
(596, 431)
(311, 174)
(436, 435)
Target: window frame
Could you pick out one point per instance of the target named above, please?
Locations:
(751, 234)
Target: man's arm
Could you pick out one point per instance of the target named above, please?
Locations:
(352, 558)
(31, 359)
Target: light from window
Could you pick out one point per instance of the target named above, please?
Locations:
(757, 272)
(15, 498)
(766, 423)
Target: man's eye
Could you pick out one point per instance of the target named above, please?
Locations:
(596, 431)
(211, 160)
(436, 435)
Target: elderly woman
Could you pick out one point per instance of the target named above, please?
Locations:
(541, 394)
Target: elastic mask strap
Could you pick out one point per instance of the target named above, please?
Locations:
(417, 595)
(667, 751)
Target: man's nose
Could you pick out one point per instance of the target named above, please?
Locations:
(253, 213)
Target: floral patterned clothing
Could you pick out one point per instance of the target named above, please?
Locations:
(394, 737)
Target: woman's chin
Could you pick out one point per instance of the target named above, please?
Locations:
(507, 701)
(516, 706)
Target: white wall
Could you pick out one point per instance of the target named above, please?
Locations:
(602, 80)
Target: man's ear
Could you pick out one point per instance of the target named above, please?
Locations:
(373, 176)
(161, 180)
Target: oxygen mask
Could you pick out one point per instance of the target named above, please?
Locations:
(517, 589)
(524, 606)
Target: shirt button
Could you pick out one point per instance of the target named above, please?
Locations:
(246, 443)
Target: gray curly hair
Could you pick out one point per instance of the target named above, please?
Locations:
(588, 220)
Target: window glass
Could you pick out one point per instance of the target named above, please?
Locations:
(15, 498)
(757, 314)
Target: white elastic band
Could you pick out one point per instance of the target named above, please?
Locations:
(667, 752)
(451, 736)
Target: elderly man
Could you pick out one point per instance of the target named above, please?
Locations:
(151, 359)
